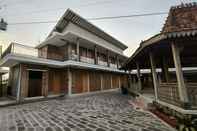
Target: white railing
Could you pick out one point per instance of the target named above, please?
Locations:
(103, 63)
(74, 57)
(15, 48)
(86, 59)
(113, 65)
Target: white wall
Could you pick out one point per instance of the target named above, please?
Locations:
(91, 37)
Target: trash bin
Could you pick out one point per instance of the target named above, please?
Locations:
(124, 90)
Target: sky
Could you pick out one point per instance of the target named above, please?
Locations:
(130, 31)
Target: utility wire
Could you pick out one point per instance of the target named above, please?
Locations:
(95, 19)
(63, 8)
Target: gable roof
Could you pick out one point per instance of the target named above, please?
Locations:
(70, 16)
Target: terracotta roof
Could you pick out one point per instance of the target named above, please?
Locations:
(180, 18)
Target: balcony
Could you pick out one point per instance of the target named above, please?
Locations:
(86, 60)
(74, 57)
(103, 63)
(19, 49)
(113, 65)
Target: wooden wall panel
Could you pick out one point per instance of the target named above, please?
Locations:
(79, 81)
(95, 81)
(57, 81)
(106, 81)
(55, 53)
(123, 80)
(13, 82)
(115, 81)
(25, 79)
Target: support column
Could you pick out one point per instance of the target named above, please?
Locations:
(117, 61)
(95, 56)
(179, 74)
(18, 97)
(165, 69)
(69, 82)
(101, 81)
(88, 75)
(69, 51)
(138, 76)
(119, 82)
(111, 82)
(108, 63)
(154, 74)
(78, 55)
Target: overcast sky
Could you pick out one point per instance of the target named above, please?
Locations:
(128, 30)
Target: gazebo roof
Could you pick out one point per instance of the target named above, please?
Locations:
(181, 23)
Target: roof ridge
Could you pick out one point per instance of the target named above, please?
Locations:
(185, 5)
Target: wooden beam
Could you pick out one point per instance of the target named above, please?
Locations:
(78, 54)
(154, 74)
(69, 82)
(108, 63)
(139, 77)
(95, 56)
(179, 74)
(165, 69)
(18, 97)
(69, 51)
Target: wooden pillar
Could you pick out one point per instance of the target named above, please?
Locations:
(154, 74)
(18, 97)
(117, 61)
(139, 77)
(165, 69)
(108, 63)
(69, 51)
(111, 81)
(88, 75)
(78, 54)
(179, 74)
(101, 81)
(95, 56)
(119, 82)
(69, 82)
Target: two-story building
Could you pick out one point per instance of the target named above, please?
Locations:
(77, 57)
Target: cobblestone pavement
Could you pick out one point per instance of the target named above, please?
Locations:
(100, 112)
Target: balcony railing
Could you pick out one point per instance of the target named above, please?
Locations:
(15, 48)
(192, 93)
(168, 92)
(113, 65)
(74, 57)
(103, 63)
(87, 60)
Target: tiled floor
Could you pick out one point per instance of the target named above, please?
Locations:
(100, 112)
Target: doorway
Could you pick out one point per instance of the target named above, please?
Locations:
(35, 83)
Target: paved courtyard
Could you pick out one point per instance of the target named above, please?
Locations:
(101, 112)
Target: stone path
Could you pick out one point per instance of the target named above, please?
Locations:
(100, 112)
